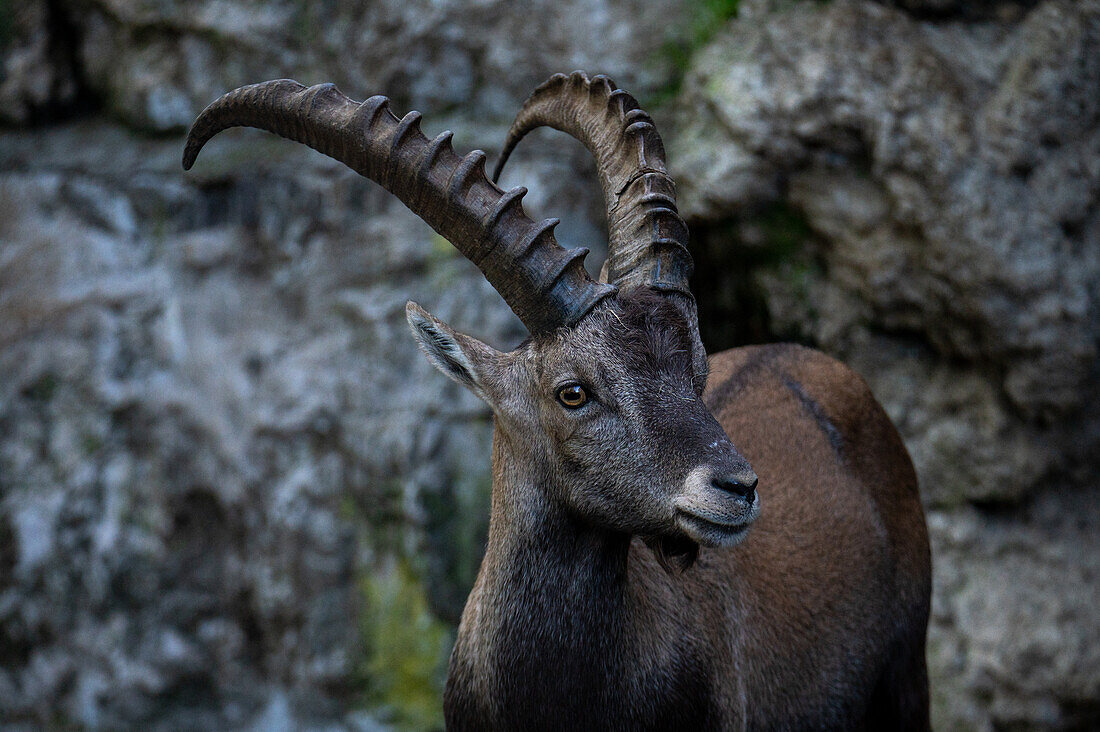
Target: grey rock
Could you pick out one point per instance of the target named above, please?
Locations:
(214, 426)
(948, 178)
(156, 65)
(36, 76)
(175, 454)
(1004, 10)
(1014, 620)
(206, 371)
(917, 192)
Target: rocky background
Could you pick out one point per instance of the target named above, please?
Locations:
(233, 495)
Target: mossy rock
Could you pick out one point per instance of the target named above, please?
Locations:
(408, 647)
(7, 23)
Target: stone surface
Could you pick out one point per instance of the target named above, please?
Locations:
(38, 78)
(1003, 10)
(158, 64)
(917, 191)
(1014, 622)
(948, 177)
(215, 419)
(225, 472)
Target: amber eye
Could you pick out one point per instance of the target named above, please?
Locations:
(572, 396)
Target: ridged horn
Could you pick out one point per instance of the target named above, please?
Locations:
(647, 238)
(544, 284)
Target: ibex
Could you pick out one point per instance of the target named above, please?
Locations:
(622, 586)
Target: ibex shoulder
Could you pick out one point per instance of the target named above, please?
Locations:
(746, 382)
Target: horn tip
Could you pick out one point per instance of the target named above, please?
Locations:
(190, 153)
(499, 167)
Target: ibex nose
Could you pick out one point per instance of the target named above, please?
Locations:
(741, 484)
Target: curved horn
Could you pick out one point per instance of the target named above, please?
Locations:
(647, 238)
(544, 284)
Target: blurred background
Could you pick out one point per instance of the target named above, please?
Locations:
(233, 495)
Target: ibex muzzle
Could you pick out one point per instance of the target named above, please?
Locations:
(611, 595)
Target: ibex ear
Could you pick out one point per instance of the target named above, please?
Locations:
(464, 359)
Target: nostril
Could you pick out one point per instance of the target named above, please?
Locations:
(744, 486)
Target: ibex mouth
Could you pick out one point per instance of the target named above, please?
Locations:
(711, 513)
(712, 533)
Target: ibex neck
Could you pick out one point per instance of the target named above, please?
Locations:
(535, 542)
(526, 512)
(555, 623)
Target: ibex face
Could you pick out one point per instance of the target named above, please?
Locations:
(610, 413)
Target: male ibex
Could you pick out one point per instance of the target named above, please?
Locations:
(595, 606)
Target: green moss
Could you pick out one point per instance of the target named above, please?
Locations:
(443, 265)
(405, 644)
(710, 13)
(406, 664)
(783, 233)
(785, 229)
(456, 526)
(159, 218)
(379, 519)
(704, 19)
(43, 389)
(470, 529)
(943, 680)
(737, 260)
(244, 151)
(59, 721)
(441, 249)
(347, 510)
(90, 443)
(7, 23)
(305, 25)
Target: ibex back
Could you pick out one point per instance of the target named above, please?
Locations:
(634, 576)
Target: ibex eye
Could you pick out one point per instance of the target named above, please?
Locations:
(572, 396)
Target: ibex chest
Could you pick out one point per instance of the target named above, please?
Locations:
(573, 655)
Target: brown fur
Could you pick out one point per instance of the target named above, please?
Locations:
(834, 579)
(815, 621)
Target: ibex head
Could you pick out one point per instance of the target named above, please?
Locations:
(609, 411)
(602, 405)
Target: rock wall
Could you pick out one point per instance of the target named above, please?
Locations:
(233, 495)
(915, 189)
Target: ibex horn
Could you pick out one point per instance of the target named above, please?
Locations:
(647, 238)
(544, 284)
